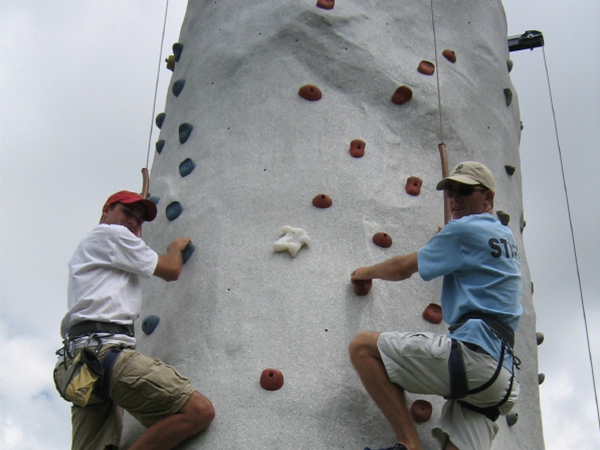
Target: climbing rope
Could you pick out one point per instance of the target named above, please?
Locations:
(587, 335)
(145, 175)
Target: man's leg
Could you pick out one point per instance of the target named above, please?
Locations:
(197, 413)
(389, 397)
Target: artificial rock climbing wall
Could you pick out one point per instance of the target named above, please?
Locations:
(277, 110)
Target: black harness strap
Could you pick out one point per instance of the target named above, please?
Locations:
(88, 327)
(102, 386)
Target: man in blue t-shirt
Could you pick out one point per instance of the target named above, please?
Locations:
(473, 367)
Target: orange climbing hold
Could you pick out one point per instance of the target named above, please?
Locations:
(433, 313)
(402, 95)
(382, 239)
(357, 148)
(310, 92)
(322, 201)
(421, 411)
(271, 379)
(326, 4)
(426, 68)
(362, 287)
(450, 55)
(413, 185)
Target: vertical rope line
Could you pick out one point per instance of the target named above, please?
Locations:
(587, 335)
(437, 73)
(162, 41)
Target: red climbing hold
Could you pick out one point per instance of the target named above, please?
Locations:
(322, 201)
(421, 411)
(433, 313)
(450, 55)
(402, 95)
(357, 148)
(426, 68)
(271, 379)
(326, 4)
(362, 287)
(382, 239)
(413, 185)
(310, 92)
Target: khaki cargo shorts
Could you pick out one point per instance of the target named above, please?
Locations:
(146, 387)
(418, 362)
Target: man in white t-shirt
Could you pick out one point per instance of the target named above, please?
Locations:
(104, 299)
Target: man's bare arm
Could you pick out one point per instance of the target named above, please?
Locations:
(397, 268)
(169, 265)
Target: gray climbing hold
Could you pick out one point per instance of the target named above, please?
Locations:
(178, 87)
(174, 210)
(539, 337)
(541, 378)
(154, 199)
(510, 170)
(185, 129)
(509, 64)
(503, 217)
(508, 95)
(159, 146)
(186, 167)
(177, 48)
(160, 119)
(512, 418)
(149, 324)
(187, 252)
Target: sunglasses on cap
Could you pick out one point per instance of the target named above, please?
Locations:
(464, 190)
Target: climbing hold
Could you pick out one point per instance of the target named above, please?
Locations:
(362, 287)
(413, 185)
(426, 68)
(512, 418)
(170, 60)
(293, 240)
(532, 288)
(186, 167)
(450, 55)
(508, 96)
(541, 378)
(187, 252)
(177, 48)
(178, 87)
(322, 201)
(154, 199)
(160, 119)
(174, 210)
(357, 148)
(539, 337)
(271, 379)
(310, 92)
(382, 239)
(421, 411)
(402, 95)
(510, 170)
(523, 223)
(509, 65)
(503, 217)
(159, 145)
(149, 324)
(433, 313)
(326, 4)
(185, 129)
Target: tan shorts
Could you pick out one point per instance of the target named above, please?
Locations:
(418, 362)
(147, 388)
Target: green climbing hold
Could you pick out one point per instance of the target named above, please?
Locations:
(510, 170)
(187, 252)
(149, 324)
(178, 87)
(159, 146)
(160, 119)
(186, 167)
(503, 217)
(508, 95)
(177, 48)
(185, 129)
(174, 210)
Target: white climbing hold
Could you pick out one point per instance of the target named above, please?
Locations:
(293, 240)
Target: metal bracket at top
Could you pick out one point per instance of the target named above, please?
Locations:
(530, 39)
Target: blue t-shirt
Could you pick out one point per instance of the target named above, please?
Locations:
(479, 260)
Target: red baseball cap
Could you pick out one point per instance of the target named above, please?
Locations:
(128, 198)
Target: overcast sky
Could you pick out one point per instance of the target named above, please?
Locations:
(76, 95)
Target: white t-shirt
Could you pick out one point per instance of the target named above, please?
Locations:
(104, 279)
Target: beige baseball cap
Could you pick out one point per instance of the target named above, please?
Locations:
(472, 173)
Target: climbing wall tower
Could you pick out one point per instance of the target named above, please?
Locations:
(278, 106)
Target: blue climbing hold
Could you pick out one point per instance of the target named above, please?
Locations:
(160, 119)
(174, 210)
(154, 199)
(187, 252)
(177, 48)
(149, 324)
(186, 167)
(185, 129)
(159, 146)
(178, 87)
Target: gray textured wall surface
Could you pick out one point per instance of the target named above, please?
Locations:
(262, 153)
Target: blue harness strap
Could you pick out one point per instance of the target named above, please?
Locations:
(102, 386)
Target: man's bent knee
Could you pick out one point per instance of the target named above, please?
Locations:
(199, 410)
(363, 344)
